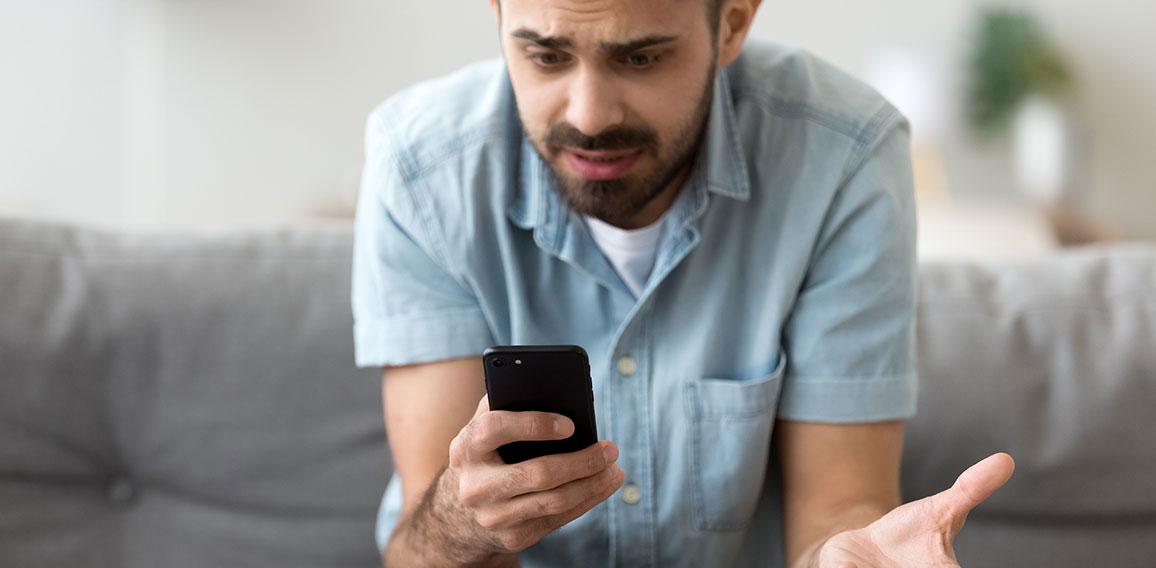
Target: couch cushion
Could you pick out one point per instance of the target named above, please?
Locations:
(1053, 361)
(175, 401)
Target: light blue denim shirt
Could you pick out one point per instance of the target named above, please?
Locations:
(784, 288)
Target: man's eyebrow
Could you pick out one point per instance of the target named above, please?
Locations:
(610, 47)
(623, 48)
(547, 42)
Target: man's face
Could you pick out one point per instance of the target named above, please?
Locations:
(613, 93)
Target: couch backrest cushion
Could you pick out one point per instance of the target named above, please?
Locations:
(1053, 361)
(183, 401)
(192, 401)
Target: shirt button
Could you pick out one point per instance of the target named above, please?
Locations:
(626, 366)
(631, 494)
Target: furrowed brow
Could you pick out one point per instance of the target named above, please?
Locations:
(548, 42)
(626, 47)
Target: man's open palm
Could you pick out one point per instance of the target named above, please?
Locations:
(919, 533)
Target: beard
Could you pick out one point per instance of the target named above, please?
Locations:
(617, 200)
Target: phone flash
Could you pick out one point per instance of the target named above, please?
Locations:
(517, 361)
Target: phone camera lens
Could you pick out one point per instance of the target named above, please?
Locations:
(499, 362)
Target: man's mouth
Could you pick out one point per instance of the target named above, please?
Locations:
(601, 165)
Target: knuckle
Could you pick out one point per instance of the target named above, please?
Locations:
(492, 422)
(457, 450)
(551, 505)
(488, 520)
(514, 541)
(470, 494)
(966, 488)
(536, 476)
(606, 477)
(476, 428)
(519, 477)
(515, 482)
(489, 427)
(605, 490)
(469, 433)
(938, 511)
(595, 460)
(541, 427)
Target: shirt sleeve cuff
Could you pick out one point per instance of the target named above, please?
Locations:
(848, 400)
(408, 340)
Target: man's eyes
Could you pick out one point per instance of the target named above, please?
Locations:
(551, 59)
(641, 60)
(547, 59)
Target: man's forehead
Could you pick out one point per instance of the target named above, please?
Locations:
(599, 21)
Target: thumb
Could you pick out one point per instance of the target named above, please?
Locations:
(974, 486)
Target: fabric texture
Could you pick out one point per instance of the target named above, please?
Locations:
(183, 401)
(1052, 360)
(784, 286)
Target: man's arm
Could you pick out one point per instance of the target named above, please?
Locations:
(462, 505)
(835, 478)
(425, 407)
(841, 499)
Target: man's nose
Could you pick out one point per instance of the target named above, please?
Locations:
(594, 105)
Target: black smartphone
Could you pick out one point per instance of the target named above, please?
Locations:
(544, 378)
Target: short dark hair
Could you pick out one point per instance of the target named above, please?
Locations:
(713, 14)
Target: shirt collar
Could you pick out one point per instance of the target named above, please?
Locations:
(721, 167)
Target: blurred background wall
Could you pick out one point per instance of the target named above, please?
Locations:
(221, 114)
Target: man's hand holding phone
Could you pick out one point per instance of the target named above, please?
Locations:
(508, 507)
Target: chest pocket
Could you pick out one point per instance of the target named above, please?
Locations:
(730, 428)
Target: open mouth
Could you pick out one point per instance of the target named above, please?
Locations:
(601, 165)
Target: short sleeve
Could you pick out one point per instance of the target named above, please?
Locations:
(409, 306)
(850, 340)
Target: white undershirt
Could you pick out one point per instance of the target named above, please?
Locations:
(630, 251)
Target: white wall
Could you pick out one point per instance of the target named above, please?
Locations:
(1110, 44)
(215, 114)
(60, 108)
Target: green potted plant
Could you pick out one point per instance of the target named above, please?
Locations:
(1020, 84)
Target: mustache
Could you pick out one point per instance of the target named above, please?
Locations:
(617, 138)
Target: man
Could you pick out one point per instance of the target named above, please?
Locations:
(727, 231)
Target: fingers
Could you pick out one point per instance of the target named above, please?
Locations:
(483, 406)
(490, 430)
(521, 535)
(499, 482)
(547, 472)
(555, 522)
(515, 505)
(564, 498)
(974, 486)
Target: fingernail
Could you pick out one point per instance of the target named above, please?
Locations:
(610, 453)
(562, 427)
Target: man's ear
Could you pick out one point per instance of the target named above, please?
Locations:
(734, 23)
(497, 12)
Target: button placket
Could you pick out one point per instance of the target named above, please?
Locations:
(635, 510)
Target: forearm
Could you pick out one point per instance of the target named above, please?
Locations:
(847, 519)
(433, 535)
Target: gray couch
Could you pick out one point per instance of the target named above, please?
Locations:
(173, 401)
